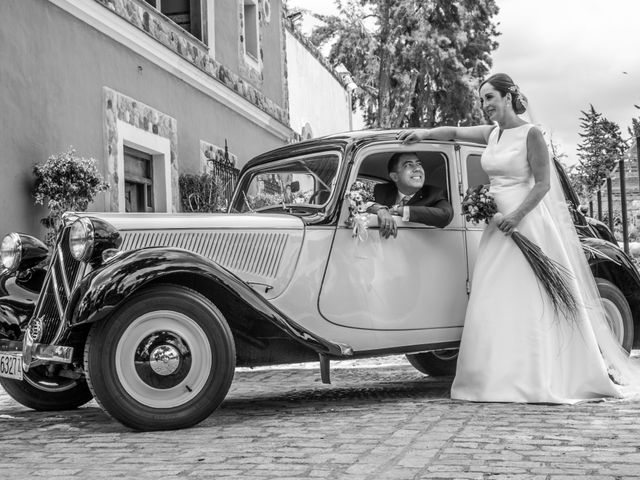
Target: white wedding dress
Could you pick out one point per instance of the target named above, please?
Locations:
(515, 347)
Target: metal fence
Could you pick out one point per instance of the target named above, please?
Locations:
(225, 174)
(616, 196)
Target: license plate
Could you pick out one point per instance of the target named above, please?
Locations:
(11, 365)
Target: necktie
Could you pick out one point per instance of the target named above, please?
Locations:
(405, 200)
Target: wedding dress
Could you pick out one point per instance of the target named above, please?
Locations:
(515, 347)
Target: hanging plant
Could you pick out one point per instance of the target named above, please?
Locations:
(65, 182)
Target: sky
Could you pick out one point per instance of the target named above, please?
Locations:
(564, 55)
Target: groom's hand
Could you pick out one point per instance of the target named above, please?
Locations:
(386, 223)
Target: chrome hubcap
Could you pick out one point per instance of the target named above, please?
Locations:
(164, 360)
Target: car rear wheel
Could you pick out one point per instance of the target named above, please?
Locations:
(44, 392)
(437, 363)
(164, 360)
(617, 312)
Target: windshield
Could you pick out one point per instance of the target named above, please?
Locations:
(299, 185)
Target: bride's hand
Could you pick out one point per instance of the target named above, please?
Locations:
(411, 136)
(507, 223)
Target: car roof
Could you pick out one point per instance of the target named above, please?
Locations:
(338, 141)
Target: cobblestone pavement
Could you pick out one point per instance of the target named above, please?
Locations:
(376, 421)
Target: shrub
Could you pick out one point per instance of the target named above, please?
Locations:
(65, 182)
(201, 193)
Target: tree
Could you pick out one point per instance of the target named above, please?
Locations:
(417, 62)
(556, 150)
(634, 129)
(601, 149)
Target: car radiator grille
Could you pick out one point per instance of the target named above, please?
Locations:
(64, 272)
(254, 253)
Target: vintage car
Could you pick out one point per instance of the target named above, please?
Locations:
(150, 314)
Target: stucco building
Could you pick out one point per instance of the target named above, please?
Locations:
(151, 89)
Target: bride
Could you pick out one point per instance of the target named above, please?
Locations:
(515, 346)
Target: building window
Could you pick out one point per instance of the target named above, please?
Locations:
(187, 14)
(143, 170)
(138, 181)
(250, 33)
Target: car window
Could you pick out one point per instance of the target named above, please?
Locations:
(475, 174)
(434, 163)
(299, 185)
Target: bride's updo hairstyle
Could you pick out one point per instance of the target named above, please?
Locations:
(503, 84)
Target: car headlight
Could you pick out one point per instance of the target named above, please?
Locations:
(11, 251)
(81, 239)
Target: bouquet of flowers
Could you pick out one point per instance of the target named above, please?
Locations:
(360, 197)
(478, 205)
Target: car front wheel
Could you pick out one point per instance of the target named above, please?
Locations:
(45, 392)
(164, 360)
(617, 312)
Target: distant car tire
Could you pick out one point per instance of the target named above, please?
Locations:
(164, 360)
(438, 363)
(45, 393)
(618, 312)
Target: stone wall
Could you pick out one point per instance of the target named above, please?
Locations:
(121, 107)
(156, 25)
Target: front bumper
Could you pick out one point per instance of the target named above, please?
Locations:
(36, 353)
(14, 317)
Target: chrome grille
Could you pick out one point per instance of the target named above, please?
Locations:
(255, 253)
(63, 275)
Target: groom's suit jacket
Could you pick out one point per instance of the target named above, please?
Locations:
(429, 205)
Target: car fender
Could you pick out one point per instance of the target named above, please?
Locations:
(601, 229)
(15, 311)
(609, 253)
(104, 290)
(14, 315)
(611, 263)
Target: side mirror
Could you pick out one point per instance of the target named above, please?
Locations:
(295, 187)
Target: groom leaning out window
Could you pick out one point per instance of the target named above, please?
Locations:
(408, 196)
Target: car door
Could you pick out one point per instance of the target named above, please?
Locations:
(415, 281)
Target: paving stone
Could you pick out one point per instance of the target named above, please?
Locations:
(372, 423)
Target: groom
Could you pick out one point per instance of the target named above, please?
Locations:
(408, 197)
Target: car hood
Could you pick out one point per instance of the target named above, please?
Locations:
(261, 249)
(137, 221)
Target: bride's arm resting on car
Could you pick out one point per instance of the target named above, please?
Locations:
(477, 134)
